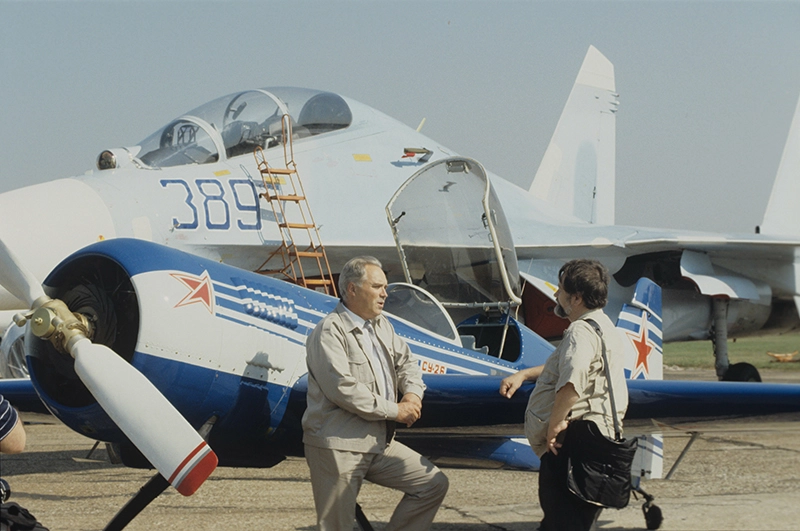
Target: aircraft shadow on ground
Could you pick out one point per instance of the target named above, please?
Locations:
(49, 462)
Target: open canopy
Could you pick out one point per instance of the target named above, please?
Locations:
(453, 236)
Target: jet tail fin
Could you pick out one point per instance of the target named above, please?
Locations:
(577, 172)
(782, 216)
(640, 322)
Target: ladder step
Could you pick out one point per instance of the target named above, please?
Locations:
(318, 282)
(306, 254)
(278, 171)
(295, 198)
(296, 225)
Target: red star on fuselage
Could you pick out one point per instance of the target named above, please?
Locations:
(200, 290)
(642, 349)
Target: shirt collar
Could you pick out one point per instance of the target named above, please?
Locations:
(357, 319)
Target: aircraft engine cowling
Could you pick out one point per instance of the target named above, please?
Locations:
(83, 284)
(688, 316)
(155, 307)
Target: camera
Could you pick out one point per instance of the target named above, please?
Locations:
(5, 490)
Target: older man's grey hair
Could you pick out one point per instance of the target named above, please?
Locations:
(354, 272)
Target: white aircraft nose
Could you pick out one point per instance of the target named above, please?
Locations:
(44, 223)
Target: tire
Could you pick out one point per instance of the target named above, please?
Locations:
(741, 372)
(653, 517)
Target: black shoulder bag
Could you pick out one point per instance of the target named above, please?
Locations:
(599, 468)
(16, 518)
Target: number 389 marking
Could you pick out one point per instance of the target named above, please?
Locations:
(210, 197)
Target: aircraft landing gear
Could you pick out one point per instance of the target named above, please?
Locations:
(719, 335)
(653, 517)
(738, 372)
(149, 492)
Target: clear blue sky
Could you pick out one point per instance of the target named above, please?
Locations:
(707, 89)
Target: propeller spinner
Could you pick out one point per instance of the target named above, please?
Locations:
(143, 414)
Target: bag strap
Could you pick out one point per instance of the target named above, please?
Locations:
(617, 434)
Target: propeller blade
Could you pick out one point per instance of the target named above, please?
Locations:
(16, 279)
(146, 417)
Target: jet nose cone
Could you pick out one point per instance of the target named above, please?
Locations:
(44, 223)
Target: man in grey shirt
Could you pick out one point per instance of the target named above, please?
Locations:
(571, 385)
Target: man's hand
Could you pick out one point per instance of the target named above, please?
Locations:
(409, 409)
(552, 433)
(566, 397)
(510, 384)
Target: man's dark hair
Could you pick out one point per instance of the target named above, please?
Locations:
(587, 278)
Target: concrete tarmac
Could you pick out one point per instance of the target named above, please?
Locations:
(740, 473)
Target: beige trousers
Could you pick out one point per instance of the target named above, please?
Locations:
(336, 478)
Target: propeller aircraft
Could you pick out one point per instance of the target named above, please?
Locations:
(182, 362)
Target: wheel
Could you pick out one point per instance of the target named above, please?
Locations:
(741, 372)
(653, 516)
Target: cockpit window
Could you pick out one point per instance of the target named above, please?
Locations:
(324, 112)
(417, 306)
(181, 142)
(251, 119)
(239, 123)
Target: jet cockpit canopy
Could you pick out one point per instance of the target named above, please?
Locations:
(235, 125)
(453, 237)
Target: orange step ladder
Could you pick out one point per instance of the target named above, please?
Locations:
(301, 256)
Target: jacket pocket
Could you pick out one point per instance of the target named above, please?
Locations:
(360, 368)
(535, 428)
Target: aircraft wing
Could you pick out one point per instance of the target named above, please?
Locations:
(674, 398)
(459, 400)
(762, 247)
(642, 240)
(474, 450)
(755, 269)
(21, 394)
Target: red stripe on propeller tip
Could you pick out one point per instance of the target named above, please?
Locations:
(201, 468)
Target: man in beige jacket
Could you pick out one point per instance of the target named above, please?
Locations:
(357, 367)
